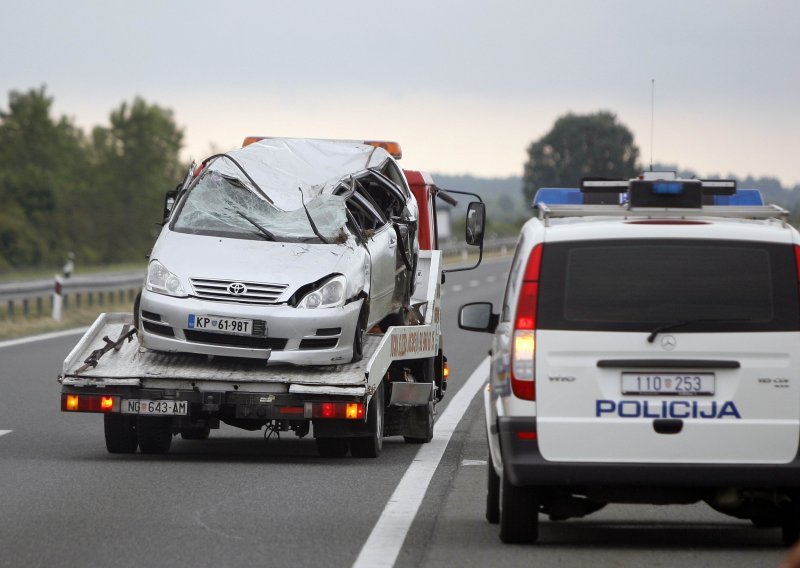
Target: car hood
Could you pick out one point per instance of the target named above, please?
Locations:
(294, 264)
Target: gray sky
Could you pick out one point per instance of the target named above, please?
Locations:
(464, 86)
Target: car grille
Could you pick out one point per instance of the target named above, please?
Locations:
(274, 343)
(217, 290)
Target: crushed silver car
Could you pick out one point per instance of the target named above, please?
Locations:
(286, 250)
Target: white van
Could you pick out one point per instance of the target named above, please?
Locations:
(646, 351)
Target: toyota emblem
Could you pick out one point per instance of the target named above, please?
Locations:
(237, 288)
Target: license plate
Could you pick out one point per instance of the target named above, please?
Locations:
(155, 407)
(235, 326)
(668, 383)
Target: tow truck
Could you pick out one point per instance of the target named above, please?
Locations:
(146, 397)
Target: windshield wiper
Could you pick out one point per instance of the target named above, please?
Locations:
(681, 323)
(310, 220)
(264, 232)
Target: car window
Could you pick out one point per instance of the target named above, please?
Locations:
(620, 285)
(221, 206)
(513, 272)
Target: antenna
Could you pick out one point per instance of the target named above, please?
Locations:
(652, 115)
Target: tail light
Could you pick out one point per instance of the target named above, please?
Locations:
(340, 410)
(523, 347)
(89, 403)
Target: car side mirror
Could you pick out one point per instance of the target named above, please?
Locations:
(478, 316)
(169, 203)
(476, 220)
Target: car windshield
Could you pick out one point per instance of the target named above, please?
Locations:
(222, 206)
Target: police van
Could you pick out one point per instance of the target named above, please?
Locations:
(646, 351)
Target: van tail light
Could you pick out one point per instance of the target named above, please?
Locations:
(523, 347)
(89, 403)
(797, 262)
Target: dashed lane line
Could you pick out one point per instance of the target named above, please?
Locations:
(2, 432)
(474, 283)
(387, 537)
(457, 288)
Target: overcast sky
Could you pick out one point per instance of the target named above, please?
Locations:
(464, 85)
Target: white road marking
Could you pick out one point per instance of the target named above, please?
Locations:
(457, 288)
(2, 432)
(42, 337)
(474, 283)
(473, 462)
(387, 537)
(491, 278)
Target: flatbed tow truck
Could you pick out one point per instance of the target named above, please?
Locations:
(391, 391)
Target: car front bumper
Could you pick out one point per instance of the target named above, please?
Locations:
(293, 336)
(525, 466)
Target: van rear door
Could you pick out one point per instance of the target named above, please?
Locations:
(678, 350)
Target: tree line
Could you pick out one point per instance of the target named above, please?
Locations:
(98, 195)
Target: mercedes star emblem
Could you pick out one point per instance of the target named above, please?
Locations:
(668, 342)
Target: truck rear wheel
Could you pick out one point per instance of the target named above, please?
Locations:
(155, 434)
(332, 447)
(370, 446)
(519, 513)
(421, 417)
(120, 431)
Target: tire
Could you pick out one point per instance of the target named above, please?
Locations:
(424, 415)
(332, 447)
(155, 434)
(519, 513)
(136, 308)
(790, 520)
(196, 433)
(492, 493)
(370, 446)
(120, 431)
(358, 339)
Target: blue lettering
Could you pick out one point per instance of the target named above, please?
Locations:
(647, 413)
(604, 407)
(673, 411)
(713, 413)
(729, 409)
(634, 405)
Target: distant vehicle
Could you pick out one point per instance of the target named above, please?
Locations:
(286, 250)
(646, 351)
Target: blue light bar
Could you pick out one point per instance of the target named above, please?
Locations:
(742, 197)
(667, 188)
(558, 196)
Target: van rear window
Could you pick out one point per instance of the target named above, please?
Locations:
(624, 285)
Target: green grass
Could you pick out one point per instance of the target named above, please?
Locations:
(48, 272)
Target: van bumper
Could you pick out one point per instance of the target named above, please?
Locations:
(525, 466)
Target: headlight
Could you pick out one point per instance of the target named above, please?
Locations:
(329, 295)
(162, 281)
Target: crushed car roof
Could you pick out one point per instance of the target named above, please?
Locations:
(282, 165)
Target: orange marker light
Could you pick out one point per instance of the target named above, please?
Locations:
(106, 403)
(251, 139)
(354, 411)
(392, 147)
(446, 371)
(72, 402)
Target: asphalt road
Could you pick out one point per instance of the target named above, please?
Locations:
(236, 500)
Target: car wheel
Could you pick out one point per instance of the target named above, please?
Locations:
(790, 520)
(120, 431)
(136, 307)
(155, 434)
(519, 513)
(196, 433)
(370, 446)
(492, 493)
(358, 339)
(331, 447)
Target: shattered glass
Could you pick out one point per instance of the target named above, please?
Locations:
(221, 205)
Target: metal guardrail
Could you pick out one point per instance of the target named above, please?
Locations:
(36, 296)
